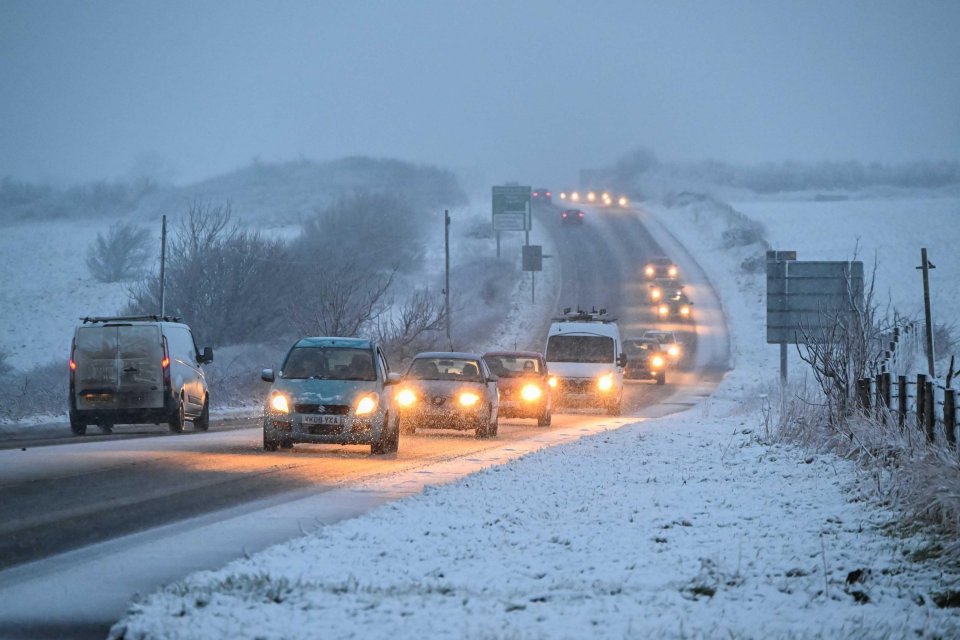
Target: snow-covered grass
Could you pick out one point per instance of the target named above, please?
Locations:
(686, 526)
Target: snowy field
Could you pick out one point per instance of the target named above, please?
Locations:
(683, 527)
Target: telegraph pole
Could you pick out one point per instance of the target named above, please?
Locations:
(446, 288)
(925, 266)
(163, 259)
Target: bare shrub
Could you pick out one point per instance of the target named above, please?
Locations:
(39, 391)
(120, 255)
(227, 283)
(743, 231)
(415, 326)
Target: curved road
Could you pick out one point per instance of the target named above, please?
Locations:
(87, 523)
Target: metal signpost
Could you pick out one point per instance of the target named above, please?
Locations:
(806, 298)
(511, 210)
(533, 262)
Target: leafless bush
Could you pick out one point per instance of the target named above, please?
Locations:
(120, 255)
(226, 282)
(944, 339)
(415, 326)
(41, 390)
(743, 231)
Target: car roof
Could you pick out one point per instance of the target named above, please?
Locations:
(661, 260)
(329, 341)
(462, 355)
(514, 354)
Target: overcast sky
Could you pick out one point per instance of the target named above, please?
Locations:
(511, 90)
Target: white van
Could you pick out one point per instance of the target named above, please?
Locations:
(137, 369)
(585, 360)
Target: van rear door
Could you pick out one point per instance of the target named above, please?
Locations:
(119, 367)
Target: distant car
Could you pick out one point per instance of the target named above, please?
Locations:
(332, 390)
(646, 360)
(542, 196)
(523, 384)
(449, 390)
(661, 267)
(137, 369)
(661, 289)
(571, 216)
(675, 307)
(668, 342)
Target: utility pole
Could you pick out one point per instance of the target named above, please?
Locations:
(446, 288)
(925, 266)
(163, 260)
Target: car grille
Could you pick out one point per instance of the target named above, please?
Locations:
(576, 386)
(329, 409)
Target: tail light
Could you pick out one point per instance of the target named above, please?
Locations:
(581, 214)
(564, 214)
(165, 364)
(73, 360)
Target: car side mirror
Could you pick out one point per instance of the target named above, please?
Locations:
(622, 360)
(393, 378)
(207, 356)
(492, 378)
(267, 375)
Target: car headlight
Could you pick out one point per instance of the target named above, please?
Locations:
(575, 196)
(605, 383)
(563, 196)
(468, 399)
(655, 294)
(552, 381)
(531, 392)
(279, 403)
(622, 202)
(672, 271)
(657, 362)
(684, 311)
(591, 196)
(649, 271)
(674, 351)
(406, 397)
(367, 405)
(663, 310)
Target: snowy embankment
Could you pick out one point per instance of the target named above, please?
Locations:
(685, 526)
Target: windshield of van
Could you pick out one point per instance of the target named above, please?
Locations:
(594, 349)
(329, 363)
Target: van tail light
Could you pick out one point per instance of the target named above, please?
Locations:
(73, 360)
(165, 364)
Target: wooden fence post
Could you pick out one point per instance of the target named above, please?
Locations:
(929, 412)
(886, 380)
(950, 416)
(903, 398)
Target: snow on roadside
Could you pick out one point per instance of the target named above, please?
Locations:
(684, 526)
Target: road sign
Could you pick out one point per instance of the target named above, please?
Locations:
(511, 208)
(806, 299)
(532, 257)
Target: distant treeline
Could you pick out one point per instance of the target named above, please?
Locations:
(287, 190)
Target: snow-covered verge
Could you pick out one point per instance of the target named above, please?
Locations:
(685, 526)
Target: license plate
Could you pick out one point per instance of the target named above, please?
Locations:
(326, 420)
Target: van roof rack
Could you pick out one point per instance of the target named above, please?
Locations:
(582, 315)
(148, 318)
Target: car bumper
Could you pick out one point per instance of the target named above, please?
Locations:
(351, 430)
(583, 391)
(521, 409)
(432, 418)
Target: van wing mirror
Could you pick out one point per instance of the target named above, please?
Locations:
(267, 375)
(393, 378)
(622, 360)
(493, 378)
(207, 356)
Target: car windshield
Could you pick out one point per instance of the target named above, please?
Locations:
(513, 366)
(329, 363)
(579, 349)
(442, 368)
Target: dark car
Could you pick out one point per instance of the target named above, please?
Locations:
(662, 288)
(542, 196)
(668, 342)
(675, 307)
(646, 360)
(571, 216)
(523, 384)
(661, 267)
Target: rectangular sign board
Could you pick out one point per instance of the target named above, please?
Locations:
(532, 257)
(511, 208)
(806, 299)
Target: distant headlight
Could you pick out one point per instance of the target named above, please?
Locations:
(531, 392)
(664, 310)
(673, 350)
(575, 196)
(468, 399)
(406, 397)
(552, 381)
(649, 271)
(605, 383)
(563, 196)
(655, 294)
(685, 311)
(367, 405)
(672, 271)
(657, 362)
(622, 202)
(591, 196)
(279, 403)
